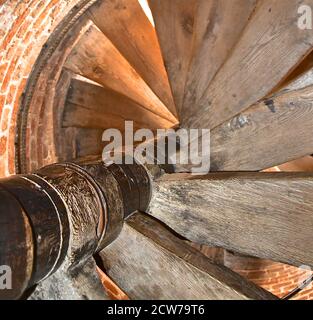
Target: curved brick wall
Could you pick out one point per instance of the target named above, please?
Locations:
(278, 278)
(25, 26)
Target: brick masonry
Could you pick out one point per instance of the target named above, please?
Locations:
(278, 278)
(25, 26)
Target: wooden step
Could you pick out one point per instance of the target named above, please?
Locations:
(270, 47)
(218, 26)
(93, 106)
(266, 215)
(274, 131)
(128, 28)
(174, 25)
(96, 58)
(147, 261)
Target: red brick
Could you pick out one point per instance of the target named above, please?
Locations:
(9, 74)
(28, 36)
(36, 9)
(9, 53)
(11, 95)
(5, 119)
(44, 14)
(2, 100)
(11, 150)
(16, 25)
(5, 82)
(3, 68)
(3, 145)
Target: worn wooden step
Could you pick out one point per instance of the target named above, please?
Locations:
(126, 25)
(96, 58)
(268, 50)
(274, 131)
(174, 25)
(217, 28)
(266, 215)
(147, 261)
(92, 106)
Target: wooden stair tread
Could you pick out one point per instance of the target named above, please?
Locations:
(174, 25)
(268, 50)
(96, 58)
(217, 28)
(131, 32)
(266, 215)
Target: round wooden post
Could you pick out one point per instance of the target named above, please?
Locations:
(63, 214)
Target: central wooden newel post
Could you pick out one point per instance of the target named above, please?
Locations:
(63, 214)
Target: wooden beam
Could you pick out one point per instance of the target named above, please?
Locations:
(266, 215)
(274, 131)
(218, 26)
(92, 106)
(149, 262)
(96, 58)
(81, 117)
(174, 25)
(270, 47)
(126, 25)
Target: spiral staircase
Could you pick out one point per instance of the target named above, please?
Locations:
(242, 69)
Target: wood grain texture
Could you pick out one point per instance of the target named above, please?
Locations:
(148, 262)
(96, 58)
(82, 283)
(266, 215)
(92, 106)
(126, 25)
(268, 50)
(274, 131)
(80, 117)
(84, 208)
(174, 22)
(217, 28)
